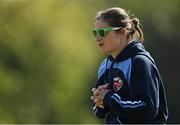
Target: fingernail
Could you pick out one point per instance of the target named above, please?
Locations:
(93, 89)
(91, 97)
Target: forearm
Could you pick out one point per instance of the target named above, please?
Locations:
(136, 109)
(100, 112)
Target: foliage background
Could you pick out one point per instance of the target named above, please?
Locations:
(49, 59)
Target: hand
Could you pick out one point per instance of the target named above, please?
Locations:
(101, 93)
(98, 95)
(98, 102)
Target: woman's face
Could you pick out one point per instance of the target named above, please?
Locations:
(112, 42)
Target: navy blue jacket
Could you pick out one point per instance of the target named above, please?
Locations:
(136, 89)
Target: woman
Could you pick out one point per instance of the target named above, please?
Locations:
(129, 88)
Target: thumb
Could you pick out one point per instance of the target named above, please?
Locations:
(102, 87)
(107, 85)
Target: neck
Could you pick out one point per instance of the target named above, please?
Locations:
(117, 51)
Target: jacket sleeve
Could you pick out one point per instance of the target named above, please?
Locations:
(144, 90)
(100, 112)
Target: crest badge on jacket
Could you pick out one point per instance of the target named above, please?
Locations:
(118, 83)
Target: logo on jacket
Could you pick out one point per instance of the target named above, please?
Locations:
(117, 83)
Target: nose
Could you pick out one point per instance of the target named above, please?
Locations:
(98, 38)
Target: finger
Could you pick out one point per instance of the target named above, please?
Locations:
(93, 89)
(99, 103)
(95, 97)
(102, 87)
(107, 84)
(92, 97)
(98, 96)
(96, 92)
(101, 106)
(96, 100)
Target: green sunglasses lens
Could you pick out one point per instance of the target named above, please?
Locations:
(102, 33)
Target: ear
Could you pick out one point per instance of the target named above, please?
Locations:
(123, 31)
(123, 34)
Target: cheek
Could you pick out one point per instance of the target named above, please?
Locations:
(112, 41)
(110, 44)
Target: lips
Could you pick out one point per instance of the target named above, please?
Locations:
(101, 44)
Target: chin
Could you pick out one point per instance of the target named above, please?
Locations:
(104, 51)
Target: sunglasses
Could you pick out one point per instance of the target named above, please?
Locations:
(103, 31)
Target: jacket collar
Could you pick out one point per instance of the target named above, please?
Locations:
(130, 50)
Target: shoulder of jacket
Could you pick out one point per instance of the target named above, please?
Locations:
(142, 59)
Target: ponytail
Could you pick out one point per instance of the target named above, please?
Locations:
(137, 30)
